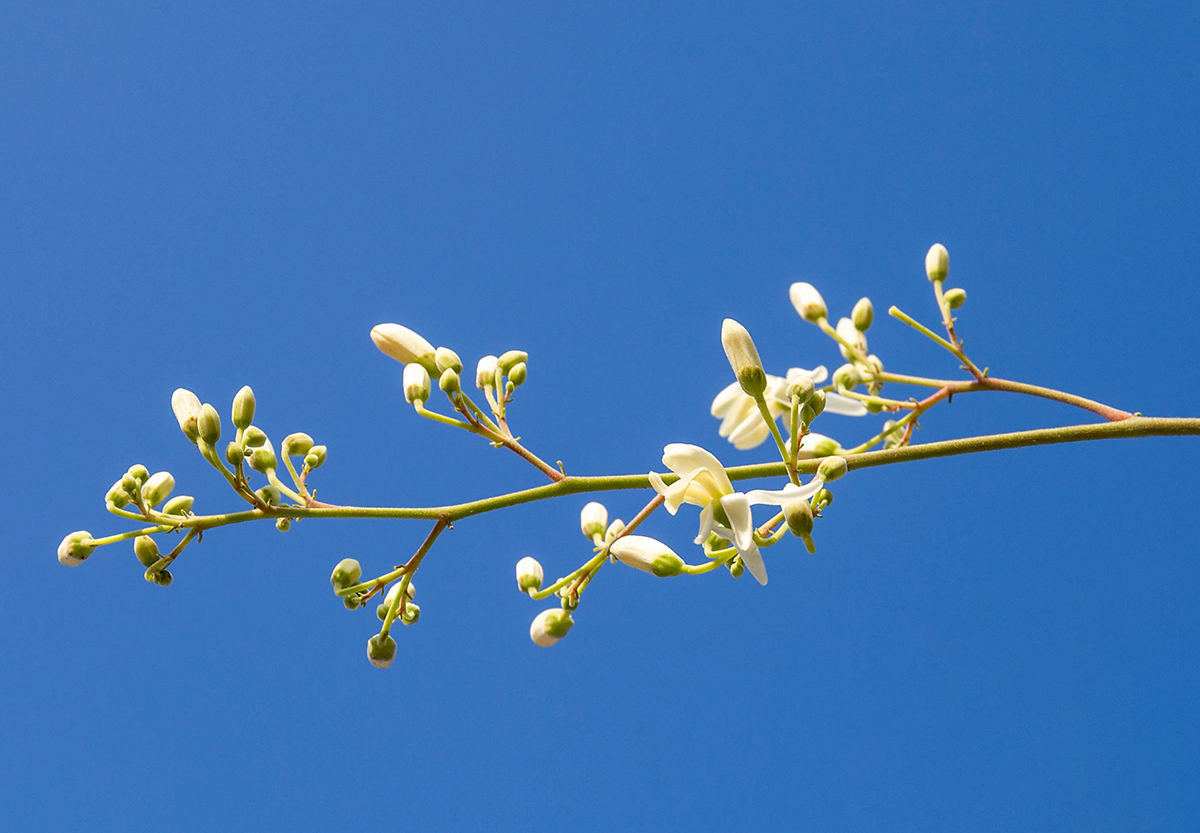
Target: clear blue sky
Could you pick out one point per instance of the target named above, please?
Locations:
(206, 196)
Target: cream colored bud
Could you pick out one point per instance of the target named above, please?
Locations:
(146, 550)
(485, 372)
(296, 445)
(416, 383)
(243, 408)
(550, 626)
(75, 548)
(186, 406)
(808, 302)
(208, 424)
(647, 554)
(529, 575)
(157, 488)
(410, 590)
(955, 298)
(178, 505)
(852, 335)
(863, 314)
(118, 495)
(800, 390)
(511, 359)
(832, 468)
(743, 357)
(593, 519)
(846, 377)
(937, 262)
(614, 529)
(405, 346)
(449, 382)
(139, 473)
(447, 359)
(518, 374)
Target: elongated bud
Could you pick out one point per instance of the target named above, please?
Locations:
(485, 373)
(316, 457)
(449, 382)
(208, 424)
(832, 468)
(593, 519)
(346, 574)
(139, 473)
(863, 314)
(955, 298)
(405, 346)
(647, 554)
(846, 377)
(243, 408)
(75, 548)
(801, 390)
(743, 357)
(178, 505)
(937, 262)
(157, 488)
(118, 495)
(263, 459)
(529, 575)
(416, 383)
(852, 335)
(146, 550)
(296, 445)
(447, 359)
(381, 650)
(518, 374)
(550, 626)
(254, 437)
(808, 302)
(799, 518)
(186, 406)
(234, 454)
(511, 359)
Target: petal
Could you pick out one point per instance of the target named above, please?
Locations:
(725, 400)
(837, 404)
(706, 524)
(818, 374)
(736, 415)
(680, 457)
(787, 494)
(753, 560)
(738, 509)
(750, 433)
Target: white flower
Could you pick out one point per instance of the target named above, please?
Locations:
(742, 422)
(703, 482)
(593, 519)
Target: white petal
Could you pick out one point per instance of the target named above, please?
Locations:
(725, 400)
(787, 494)
(737, 414)
(844, 405)
(818, 374)
(706, 524)
(681, 457)
(752, 558)
(657, 482)
(738, 509)
(750, 433)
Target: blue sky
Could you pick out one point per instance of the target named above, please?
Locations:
(209, 196)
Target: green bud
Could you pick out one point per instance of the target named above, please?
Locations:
(243, 408)
(208, 423)
(163, 578)
(447, 359)
(234, 454)
(893, 439)
(873, 407)
(253, 437)
(283, 524)
(139, 473)
(955, 298)
(937, 262)
(297, 445)
(593, 519)
(743, 357)
(381, 612)
(529, 575)
(817, 402)
(316, 457)
(157, 488)
(146, 550)
(381, 650)
(269, 495)
(179, 505)
(75, 548)
(263, 459)
(832, 468)
(800, 390)
(131, 485)
(352, 602)
(346, 574)
(550, 626)
(863, 314)
(846, 377)
(735, 566)
(449, 381)
(410, 614)
(822, 500)
(511, 359)
(807, 414)
(118, 495)
(518, 373)
(799, 517)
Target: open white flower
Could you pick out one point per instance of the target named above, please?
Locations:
(744, 425)
(704, 483)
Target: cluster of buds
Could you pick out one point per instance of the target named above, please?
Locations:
(397, 604)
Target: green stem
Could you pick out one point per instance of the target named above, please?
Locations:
(409, 569)
(761, 401)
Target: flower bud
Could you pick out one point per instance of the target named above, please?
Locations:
(800, 390)
(139, 473)
(234, 454)
(799, 518)
(822, 499)
(75, 548)
(529, 575)
(518, 374)
(179, 505)
(381, 650)
(162, 578)
(894, 438)
(346, 574)
(263, 459)
(647, 554)
(816, 402)
(593, 519)
(511, 359)
(550, 626)
(832, 468)
(146, 550)
(316, 457)
(353, 602)
(614, 529)
(863, 314)
(736, 567)
(416, 383)
(875, 364)
(186, 406)
(485, 373)
(955, 298)
(405, 346)
(808, 302)
(447, 359)
(296, 445)
(449, 382)
(283, 524)
(937, 262)
(269, 495)
(410, 614)
(743, 357)
(846, 377)
(208, 424)
(852, 335)
(394, 590)
(157, 488)
(131, 484)
(243, 408)
(253, 437)
(118, 495)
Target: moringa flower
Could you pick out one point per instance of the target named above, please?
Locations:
(742, 422)
(703, 482)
